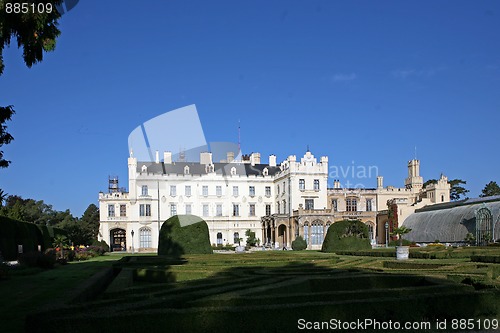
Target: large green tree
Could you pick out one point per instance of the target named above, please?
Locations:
(36, 32)
(490, 189)
(90, 223)
(457, 191)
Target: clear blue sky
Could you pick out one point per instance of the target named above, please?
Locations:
(363, 82)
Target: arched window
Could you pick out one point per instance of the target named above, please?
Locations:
(442, 198)
(317, 233)
(265, 172)
(236, 238)
(233, 171)
(186, 170)
(144, 168)
(219, 238)
(145, 238)
(371, 235)
(351, 204)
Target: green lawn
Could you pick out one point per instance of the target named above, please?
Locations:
(260, 286)
(22, 294)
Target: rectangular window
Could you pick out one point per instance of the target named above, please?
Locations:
(188, 209)
(351, 205)
(173, 190)
(251, 191)
(284, 189)
(219, 210)
(335, 206)
(123, 210)
(252, 210)
(205, 210)
(268, 210)
(309, 204)
(145, 238)
(145, 210)
(187, 190)
(218, 190)
(236, 210)
(368, 205)
(316, 184)
(111, 210)
(235, 191)
(173, 209)
(302, 184)
(205, 191)
(144, 190)
(268, 191)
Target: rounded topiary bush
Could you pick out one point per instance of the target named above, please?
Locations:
(299, 244)
(184, 234)
(346, 235)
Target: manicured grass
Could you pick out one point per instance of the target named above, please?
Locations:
(27, 293)
(253, 289)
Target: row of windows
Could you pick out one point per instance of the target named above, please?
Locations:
(352, 205)
(204, 189)
(302, 184)
(236, 238)
(111, 210)
(145, 210)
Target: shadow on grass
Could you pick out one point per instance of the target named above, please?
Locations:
(265, 299)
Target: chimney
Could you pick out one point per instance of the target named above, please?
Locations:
(336, 183)
(255, 158)
(157, 157)
(167, 157)
(230, 156)
(206, 158)
(272, 160)
(380, 182)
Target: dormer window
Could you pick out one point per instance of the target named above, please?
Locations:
(144, 168)
(186, 170)
(265, 172)
(209, 168)
(233, 171)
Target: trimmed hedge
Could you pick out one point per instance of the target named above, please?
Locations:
(299, 244)
(184, 234)
(488, 259)
(346, 235)
(14, 233)
(29, 235)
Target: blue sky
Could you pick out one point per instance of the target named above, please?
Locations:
(362, 82)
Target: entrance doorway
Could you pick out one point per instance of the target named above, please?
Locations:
(118, 240)
(282, 239)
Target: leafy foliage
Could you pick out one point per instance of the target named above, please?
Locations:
(299, 244)
(176, 240)
(346, 235)
(400, 231)
(35, 32)
(490, 189)
(5, 138)
(251, 239)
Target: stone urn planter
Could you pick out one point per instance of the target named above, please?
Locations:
(402, 252)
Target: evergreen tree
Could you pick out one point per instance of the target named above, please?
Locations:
(490, 189)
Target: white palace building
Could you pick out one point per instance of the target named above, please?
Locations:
(276, 201)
